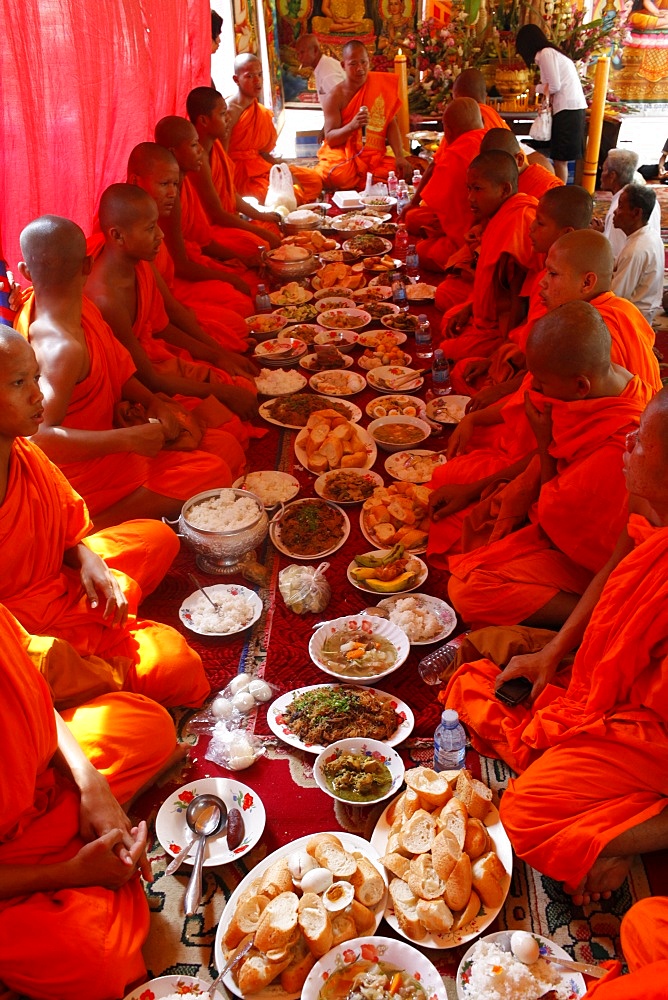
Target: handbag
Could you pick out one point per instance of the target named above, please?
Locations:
(541, 128)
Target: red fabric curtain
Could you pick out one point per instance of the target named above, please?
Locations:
(81, 83)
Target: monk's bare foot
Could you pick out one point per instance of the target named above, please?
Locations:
(606, 875)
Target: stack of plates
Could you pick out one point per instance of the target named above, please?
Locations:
(281, 352)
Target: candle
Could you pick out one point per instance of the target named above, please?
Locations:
(402, 114)
(596, 113)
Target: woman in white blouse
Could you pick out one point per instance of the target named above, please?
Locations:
(559, 81)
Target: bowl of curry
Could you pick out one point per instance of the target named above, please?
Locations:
(358, 770)
(309, 529)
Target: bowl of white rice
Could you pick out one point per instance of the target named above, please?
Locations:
(489, 971)
(223, 526)
(237, 608)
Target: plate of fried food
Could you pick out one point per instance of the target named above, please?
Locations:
(381, 265)
(395, 406)
(347, 486)
(325, 358)
(386, 353)
(368, 245)
(265, 324)
(333, 291)
(413, 466)
(309, 529)
(448, 857)
(310, 718)
(350, 276)
(420, 291)
(401, 322)
(320, 888)
(338, 256)
(352, 222)
(294, 410)
(313, 241)
(387, 571)
(374, 338)
(329, 441)
(337, 383)
(292, 294)
(397, 513)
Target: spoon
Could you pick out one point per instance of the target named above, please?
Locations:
(209, 819)
(589, 970)
(233, 960)
(193, 579)
(192, 813)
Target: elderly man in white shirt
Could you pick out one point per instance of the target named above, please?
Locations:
(639, 269)
(619, 170)
(327, 70)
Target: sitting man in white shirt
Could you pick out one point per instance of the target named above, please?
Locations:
(639, 268)
(619, 170)
(327, 70)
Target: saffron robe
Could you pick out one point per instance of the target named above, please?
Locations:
(536, 180)
(222, 176)
(632, 337)
(47, 597)
(605, 724)
(254, 134)
(644, 936)
(345, 167)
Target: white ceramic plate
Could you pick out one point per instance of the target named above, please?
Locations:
(308, 362)
(447, 409)
(357, 244)
(265, 412)
(362, 435)
(278, 298)
(335, 302)
(402, 465)
(337, 383)
(395, 953)
(372, 337)
(260, 482)
(173, 831)
(351, 224)
(441, 609)
(305, 313)
(393, 373)
(378, 201)
(280, 348)
(167, 985)
(370, 365)
(274, 991)
(344, 318)
(395, 323)
(280, 727)
(265, 323)
(502, 847)
(297, 380)
(361, 585)
(368, 534)
(275, 532)
(572, 981)
(306, 332)
(344, 340)
(335, 291)
(378, 294)
(382, 406)
(359, 746)
(420, 292)
(321, 484)
(214, 592)
(371, 625)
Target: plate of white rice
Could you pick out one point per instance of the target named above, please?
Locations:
(424, 619)
(276, 382)
(489, 971)
(270, 487)
(237, 609)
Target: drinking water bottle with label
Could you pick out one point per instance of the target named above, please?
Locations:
(440, 374)
(449, 743)
(262, 300)
(392, 183)
(434, 667)
(399, 296)
(401, 242)
(412, 263)
(417, 177)
(423, 343)
(403, 196)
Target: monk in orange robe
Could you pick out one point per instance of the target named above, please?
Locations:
(479, 327)
(219, 308)
(245, 226)
(644, 937)
(534, 179)
(592, 744)
(253, 136)
(86, 374)
(360, 122)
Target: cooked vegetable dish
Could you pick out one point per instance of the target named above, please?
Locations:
(296, 409)
(357, 777)
(398, 434)
(357, 653)
(371, 981)
(311, 527)
(328, 714)
(349, 487)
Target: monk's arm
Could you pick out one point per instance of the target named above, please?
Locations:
(417, 197)
(186, 268)
(337, 134)
(448, 499)
(396, 141)
(464, 430)
(244, 208)
(229, 220)
(492, 393)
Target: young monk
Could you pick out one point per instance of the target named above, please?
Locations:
(55, 581)
(531, 547)
(86, 373)
(214, 181)
(593, 744)
(533, 179)
(128, 295)
(479, 326)
(360, 122)
(217, 306)
(253, 136)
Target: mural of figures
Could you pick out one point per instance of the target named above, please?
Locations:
(398, 19)
(343, 17)
(245, 31)
(274, 59)
(648, 24)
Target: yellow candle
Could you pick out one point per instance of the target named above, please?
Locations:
(402, 114)
(596, 113)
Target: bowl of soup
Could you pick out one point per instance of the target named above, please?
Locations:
(360, 649)
(358, 770)
(396, 433)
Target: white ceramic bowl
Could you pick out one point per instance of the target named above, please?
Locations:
(334, 302)
(368, 748)
(345, 340)
(352, 623)
(265, 324)
(396, 953)
(345, 318)
(421, 425)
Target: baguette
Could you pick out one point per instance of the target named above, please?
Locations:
(417, 834)
(257, 972)
(454, 816)
(276, 879)
(432, 788)
(245, 919)
(340, 863)
(434, 915)
(367, 882)
(365, 919)
(476, 796)
(294, 976)
(315, 924)
(422, 880)
(397, 864)
(477, 840)
(405, 910)
(489, 875)
(343, 928)
(471, 910)
(458, 887)
(278, 923)
(445, 853)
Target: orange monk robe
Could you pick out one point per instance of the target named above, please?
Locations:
(644, 936)
(536, 180)
(105, 480)
(87, 941)
(568, 533)
(345, 167)
(593, 748)
(632, 337)
(222, 175)
(506, 236)
(446, 194)
(43, 511)
(254, 134)
(491, 118)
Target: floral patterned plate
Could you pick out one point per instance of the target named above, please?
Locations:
(571, 983)
(165, 986)
(397, 954)
(368, 749)
(173, 831)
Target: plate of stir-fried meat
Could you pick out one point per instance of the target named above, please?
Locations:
(309, 529)
(293, 411)
(311, 718)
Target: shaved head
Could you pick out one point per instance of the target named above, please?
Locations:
(569, 342)
(352, 47)
(53, 249)
(202, 101)
(460, 116)
(587, 250)
(172, 130)
(122, 205)
(500, 138)
(148, 157)
(246, 59)
(12, 342)
(470, 83)
(497, 167)
(568, 206)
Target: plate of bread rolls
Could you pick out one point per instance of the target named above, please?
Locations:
(329, 441)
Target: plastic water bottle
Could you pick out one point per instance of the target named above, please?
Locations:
(440, 374)
(423, 344)
(449, 743)
(399, 296)
(401, 242)
(392, 184)
(417, 177)
(403, 196)
(434, 667)
(369, 185)
(262, 300)
(412, 263)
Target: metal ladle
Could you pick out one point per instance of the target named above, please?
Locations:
(208, 819)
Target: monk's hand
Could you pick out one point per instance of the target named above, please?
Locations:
(159, 410)
(97, 579)
(146, 439)
(272, 239)
(596, 224)
(539, 668)
(458, 321)
(541, 422)
(251, 260)
(240, 401)
(238, 283)
(360, 119)
(237, 364)
(474, 369)
(100, 812)
(461, 436)
(98, 863)
(486, 397)
(16, 295)
(449, 499)
(403, 168)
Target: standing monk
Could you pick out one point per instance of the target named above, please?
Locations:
(253, 136)
(533, 179)
(360, 122)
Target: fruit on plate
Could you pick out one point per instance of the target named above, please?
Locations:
(398, 513)
(386, 574)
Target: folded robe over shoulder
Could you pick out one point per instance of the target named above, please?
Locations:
(536, 180)
(222, 176)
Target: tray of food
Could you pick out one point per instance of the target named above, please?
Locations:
(397, 513)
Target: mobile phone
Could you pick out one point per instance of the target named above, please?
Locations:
(515, 691)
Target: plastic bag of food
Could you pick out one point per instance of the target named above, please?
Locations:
(234, 749)
(240, 696)
(305, 589)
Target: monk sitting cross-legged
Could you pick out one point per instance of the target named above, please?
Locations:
(592, 743)
(479, 326)
(253, 137)
(534, 179)
(217, 306)
(86, 374)
(360, 122)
